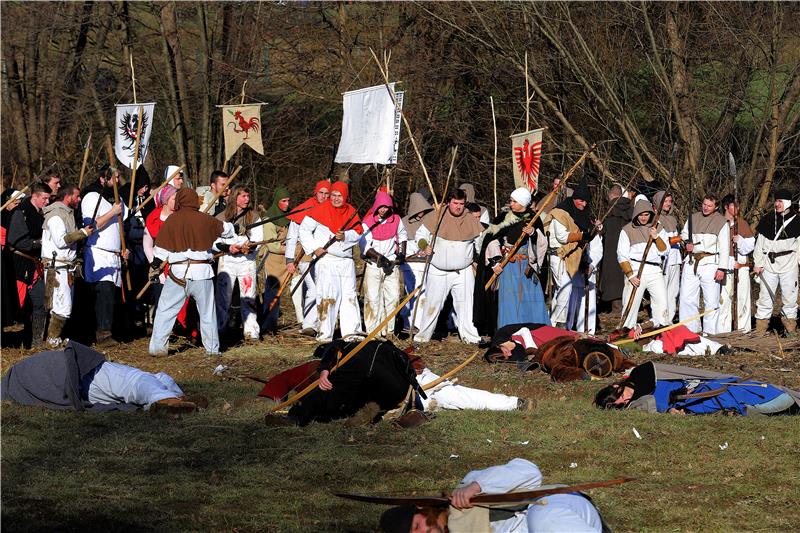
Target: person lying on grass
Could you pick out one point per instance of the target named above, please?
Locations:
(81, 379)
(682, 390)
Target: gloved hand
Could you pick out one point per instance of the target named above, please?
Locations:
(401, 258)
(155, 270)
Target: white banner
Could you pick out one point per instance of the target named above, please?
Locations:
(369, 133)
(527, 153)
(125, 132)
(242, 126)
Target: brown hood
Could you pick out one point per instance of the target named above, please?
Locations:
(643, 206)
(470, 190)
(187, 228)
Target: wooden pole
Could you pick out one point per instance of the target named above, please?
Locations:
(408, 128)
(527, 97)
(665, 328)
(224, 187)
(13, 196)
(85, 159)
(133, 81)
(135, 153)
(494, 126)
(121, 237)
(448, 375)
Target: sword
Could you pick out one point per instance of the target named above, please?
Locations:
(771, 293)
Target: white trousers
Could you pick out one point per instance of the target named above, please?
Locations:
(115, 383)
(725, 323)
(336, 297)
(62, 294)
(412, 276)
(672, 279)
(691, 285)
(305, 299)
(787, 281)
(458, 283)
(227, 274)
(577, 304)
(559, 513)
(381, 294)
(562, 289)
(451, 396)
(698, 348)
(169, 305)
(652, 281)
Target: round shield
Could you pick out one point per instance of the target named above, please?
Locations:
(597, 364)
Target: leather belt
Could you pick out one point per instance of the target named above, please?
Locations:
(772, 255)
(699, 256)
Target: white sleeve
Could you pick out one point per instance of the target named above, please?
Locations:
(292, 236)
(623, 248)
(423, 233)
(685, 231)
(306, 234)
(148, 243)
(517, 474)
(759, 254)
(402, 234)
(256, 234)
(365, 242)
(558, 231)
(596, 250)
(724, 246)
(745, 245)
(160, 253)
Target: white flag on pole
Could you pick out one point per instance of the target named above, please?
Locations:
(370, 132)
(125, 132)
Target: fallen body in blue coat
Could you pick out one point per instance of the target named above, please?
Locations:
(676, 389)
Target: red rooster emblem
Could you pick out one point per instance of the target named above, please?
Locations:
(527, 158)
(244, 125)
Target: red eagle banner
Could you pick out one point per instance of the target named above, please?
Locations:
(526, 153)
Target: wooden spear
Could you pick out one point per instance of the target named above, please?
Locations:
(221, 191)
(494, 127)
(85, 159)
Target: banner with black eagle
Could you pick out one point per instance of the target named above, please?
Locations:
(370, 126)
(527, 153)
(127, 125)
(242, 126)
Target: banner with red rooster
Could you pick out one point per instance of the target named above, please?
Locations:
(242, 125)
(527, 153)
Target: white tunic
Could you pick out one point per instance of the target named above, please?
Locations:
(201, 270)
(101, 259)
(314, 235)
(388, 247)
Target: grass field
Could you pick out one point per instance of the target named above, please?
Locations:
(223, 469)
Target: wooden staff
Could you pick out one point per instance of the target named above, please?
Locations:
(450, 374)
(85, 160)
(135, 151)
(385, 75)
(494, 127)
(35, 179)
(155, 192)
(433, 240)
(539, 212)
(14, 197)
(221, 191)
(121, 239)
(666, 328)
(351, 354)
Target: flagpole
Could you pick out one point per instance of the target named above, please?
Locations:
(494, 127)
(527, 97)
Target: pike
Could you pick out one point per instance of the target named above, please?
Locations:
(85, 159)
(35, 179)
(273, 219)
(221, 191)
(122, 239)
(665, 328)
(538, 214)
(350, 354)
(485, 499)
(333, 237)
(735, 300)
(285, 283)
(643, 260)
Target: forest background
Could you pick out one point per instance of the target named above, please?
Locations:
(634, 77)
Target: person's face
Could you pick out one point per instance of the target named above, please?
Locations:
(337, 200)
(111, 179)
(456, 207)
(579, 204)
(643, 218)
(178, 180)
(516, 206)
(143, 190)
(420, 525)
(55, 184)
(322, 195)
(625, 397)
(383, 211)
(667, 204)
(709, 206)
(556, 182)
(283, 204)
(171, 202)
(779, 207)
(243, 200)
(40, 199)
(219, 183)
(74, 199)
(732, 210)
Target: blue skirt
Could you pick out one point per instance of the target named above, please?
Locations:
(520, 299)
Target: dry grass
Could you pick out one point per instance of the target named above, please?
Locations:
(223, 469)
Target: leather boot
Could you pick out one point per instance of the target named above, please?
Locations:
(104, 340)
(38, 323)
(791, 327)
(54, 330)
(761, 328)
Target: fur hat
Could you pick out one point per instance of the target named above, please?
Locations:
(581, 192)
